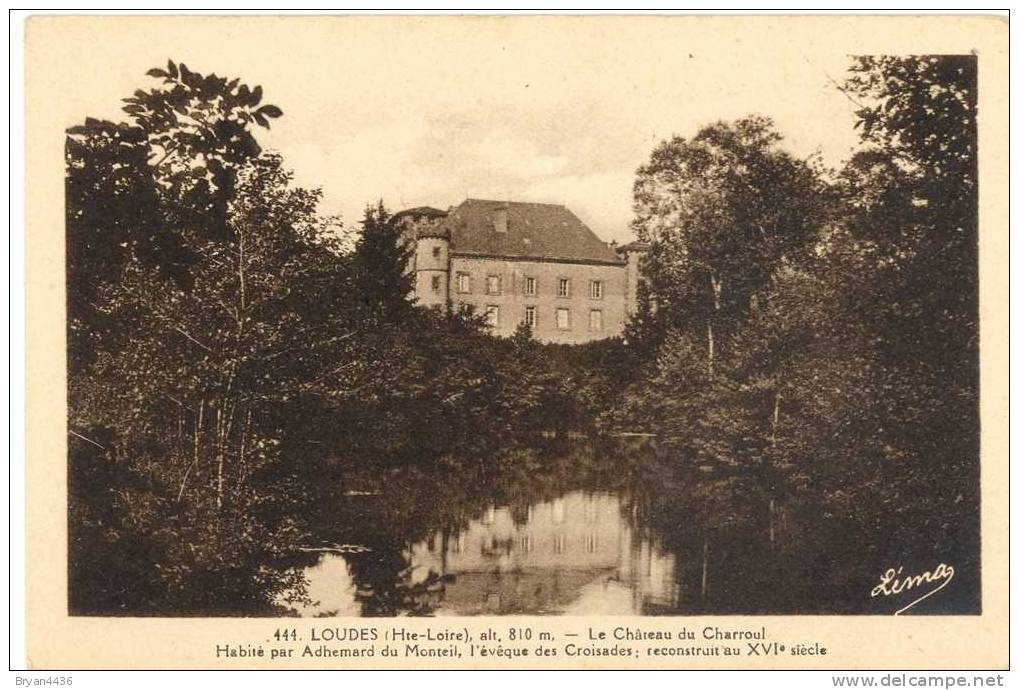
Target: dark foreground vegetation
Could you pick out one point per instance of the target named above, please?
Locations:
(805, 359)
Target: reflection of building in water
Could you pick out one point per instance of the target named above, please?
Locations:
(575, 554)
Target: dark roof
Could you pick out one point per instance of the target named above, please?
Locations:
(417, 212)
(535, 231)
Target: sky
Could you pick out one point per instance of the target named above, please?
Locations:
(425, 111)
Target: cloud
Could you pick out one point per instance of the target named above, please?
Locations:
(507, 110)
(513, 157)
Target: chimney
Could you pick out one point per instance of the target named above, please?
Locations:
(501, 219)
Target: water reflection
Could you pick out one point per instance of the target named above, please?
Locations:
(574, 554)
(582, 529)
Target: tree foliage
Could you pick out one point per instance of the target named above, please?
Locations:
(804, 355)
(837, 383)
(231, 362)
(913, 195)
(383, 279)
(721, 212)
(197, 347)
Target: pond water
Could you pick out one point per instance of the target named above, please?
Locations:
(574, 554)
(534, 531)
(586, 529)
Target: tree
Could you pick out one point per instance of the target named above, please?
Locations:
(645, 329)
(523, 336)
(721, 211)
(912, 208)
(382, 279)
(913, 196)
(843, 393)
(146, 188)
(199, 131)
(178, 407)
(113, 213)
(724, 213)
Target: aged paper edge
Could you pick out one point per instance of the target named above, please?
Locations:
(55, 640)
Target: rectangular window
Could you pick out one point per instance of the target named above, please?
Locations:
(436, 252)
(596, 289)
(492, 314)
(530, 316)
(436, 283)
(562, 318)
(564, 287)
(494, 285)
(463, 282)
(595, 323)
(530, 286)
(559, 543)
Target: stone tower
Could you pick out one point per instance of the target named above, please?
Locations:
(633, 254)
(422, 229)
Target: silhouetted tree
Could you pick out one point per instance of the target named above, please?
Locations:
(382, 280)
(721, 212)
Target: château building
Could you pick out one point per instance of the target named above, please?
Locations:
(515, 262)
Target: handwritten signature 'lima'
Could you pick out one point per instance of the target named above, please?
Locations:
(891, 583)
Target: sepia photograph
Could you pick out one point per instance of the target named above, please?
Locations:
(746, 398)
(475, 317)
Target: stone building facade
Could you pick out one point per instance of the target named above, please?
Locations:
(519, 263)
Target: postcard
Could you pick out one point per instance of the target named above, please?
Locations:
(517, 342)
